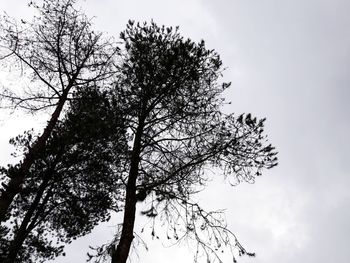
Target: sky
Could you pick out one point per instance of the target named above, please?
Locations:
(288, 61)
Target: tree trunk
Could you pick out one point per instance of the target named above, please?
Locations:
(17, 178)
(15, 246)
(120, 255)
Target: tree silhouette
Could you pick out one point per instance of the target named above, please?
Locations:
(172, 102)
(152, 133)
(59, 54)
(73, 184)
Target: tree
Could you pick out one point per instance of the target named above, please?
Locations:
(172, 102)
(73, 184)
(58, 53)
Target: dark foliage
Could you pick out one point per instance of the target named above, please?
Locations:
(72, 186)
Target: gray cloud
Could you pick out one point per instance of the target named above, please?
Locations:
(295, 57)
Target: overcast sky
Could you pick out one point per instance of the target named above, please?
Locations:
(288, 61)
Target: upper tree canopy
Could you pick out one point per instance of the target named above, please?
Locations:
(171, 91)
(170, 88)
(57, 52)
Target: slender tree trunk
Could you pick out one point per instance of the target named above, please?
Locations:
(120, 255)
(17, 177)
